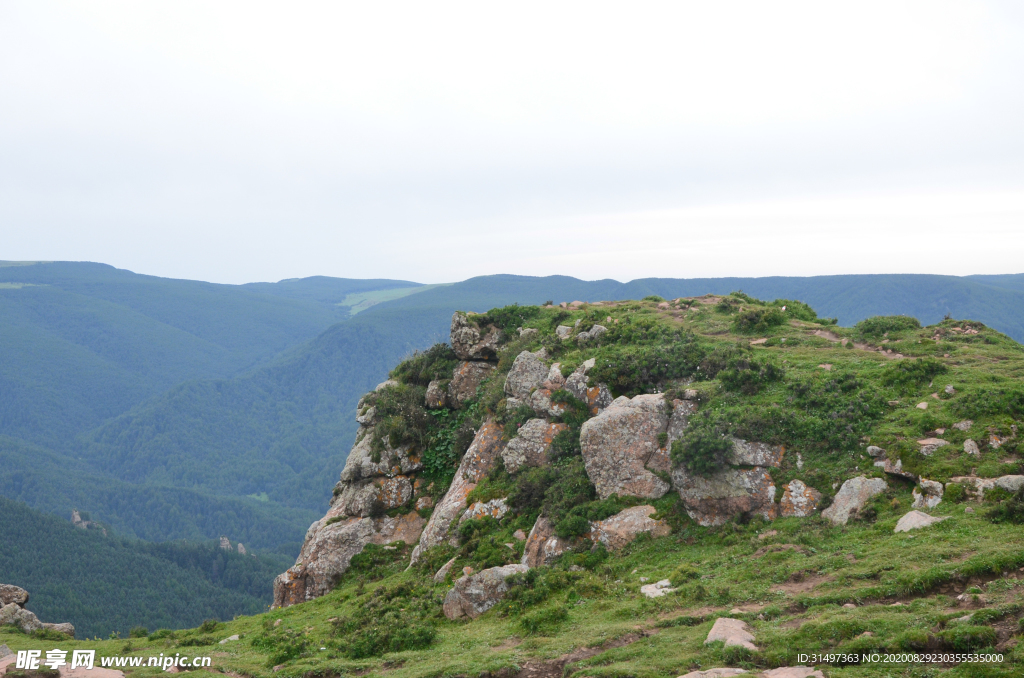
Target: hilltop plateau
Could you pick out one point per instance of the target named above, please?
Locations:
(590, 489)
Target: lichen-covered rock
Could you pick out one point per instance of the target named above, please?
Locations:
(361, 498)
(915, 520)
(799, 500)
(964, 425)
(596, 397)
(12, 594)
(716, 499)
(563, 331)
(554, 380)
(731, 632)
(527, 373)
(468, 375)
(543, 546)
(852, 496)
(469, 343)
(20, 617)
(474, 594)
(442, 573)
(977, 487)
(928, 496)
(661, 460)
(745, 453)
(328, 548)
(437, 396)
(64, 627)
(393, 462)
(541, 403)
(495, 508)
(367, 417)
(531, 444)
(622, 528)
(971, 448)
(476, 463)
(619, 441)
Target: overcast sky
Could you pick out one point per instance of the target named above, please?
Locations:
(246, 141)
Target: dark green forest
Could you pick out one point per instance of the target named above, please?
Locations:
(105, 584)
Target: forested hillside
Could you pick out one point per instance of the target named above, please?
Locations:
(103, 584)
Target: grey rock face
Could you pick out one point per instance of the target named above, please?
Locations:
(543, 546)
(531, 445)
(875, 451)
(895, 468)
(12, 594)
(746, 453)
(436, 397)
(495, 508)
(563, 331)
(915, 520)
(476, 463)
(971, 448)
(475, 594)
(360, 497)
(5, 651)
(469, 343)
(368, 417)
(593, 333)
(20, 617)
(467, 377)
(619, 441)
(852, 496)
(715, 499)
(328, 548)
(65, 628)
(527, 373)
(964, 425)
(541, 403)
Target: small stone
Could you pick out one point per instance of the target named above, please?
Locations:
(644, 579)
(971, 448)
(968, 510)
(229, 639)
(875, 451)
(277, 623)
(442, 573)
(850, 606)
(826, 366)
(793, 672)
(964, 425)
(894, 403)
(735, 610)
(949, 389)
(563, 331)
(467, 570)
(769, 533)
(657, 589)
(922, 406)
(519, 535)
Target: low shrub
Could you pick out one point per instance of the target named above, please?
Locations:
(759, 320)
(138, 632)
(880, 325)
(543, 622)
(1008, 510)
(393, 619)
(909, 373)
(748, 376)
(703, 448)
(683, 574)
(436, 363)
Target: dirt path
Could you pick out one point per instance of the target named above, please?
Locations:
(555, 668)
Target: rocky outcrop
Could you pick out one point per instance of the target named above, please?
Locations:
(469, 343)
(542, 405)
(12, 612)
(328, 548)
(468, 375)
(851, 498)
(474, 594)
(625, 526)
(731, 632)
(531, 445)
(543, 546)
(12, 594)
(476, 463)
(391, 462)
(895, 468)
(584, 338)
(717, 498)
(528, 372)
(928, 496)
(915, 520)
(365, 498)
(799, 500)
(618, 443)
(661, 460)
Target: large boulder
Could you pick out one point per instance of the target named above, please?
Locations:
(436, 396)
(474, 594)
(20, 617)
(661, 460)
(495, 508)
(531, 445)
(799, 500)
(542, 404)
(476, 463)
(328, 549)
(467, 377)
(625, 526)
(527, 373)
(469, 343)
(928, 496)
(543, 546)
(717, 498)
(618, 443)
(12, 594)
(64, 627)
(851, 498)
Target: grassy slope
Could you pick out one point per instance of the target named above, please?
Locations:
(790, 577)
(102, 584)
